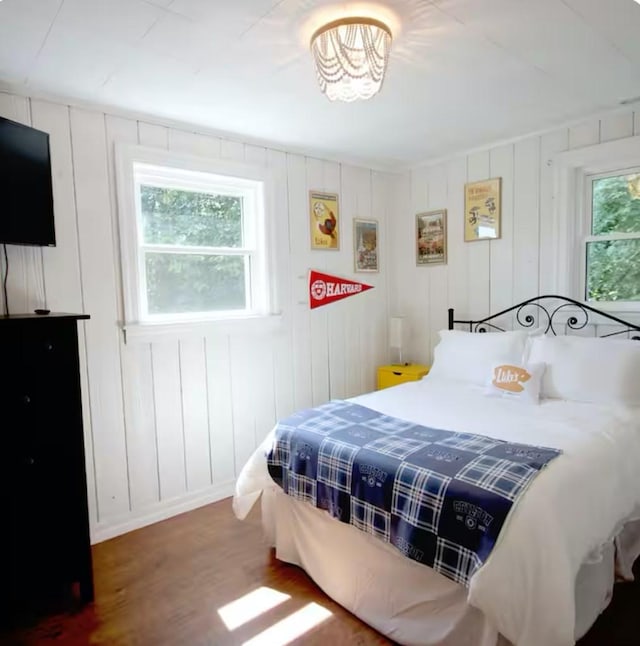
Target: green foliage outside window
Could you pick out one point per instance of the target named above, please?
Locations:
(613, 266)
(175, 217)
(181, 282)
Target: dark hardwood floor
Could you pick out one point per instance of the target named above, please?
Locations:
(163, 585)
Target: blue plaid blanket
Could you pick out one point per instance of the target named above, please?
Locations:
(439, 497)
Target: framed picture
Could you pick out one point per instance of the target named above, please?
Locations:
(365, 245)
(431, 238)
(324, 220)
(482, 207)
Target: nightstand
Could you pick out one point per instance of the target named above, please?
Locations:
(395, 374)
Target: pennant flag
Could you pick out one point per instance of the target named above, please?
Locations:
(325, 289)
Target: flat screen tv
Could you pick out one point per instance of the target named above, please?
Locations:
(26, 194)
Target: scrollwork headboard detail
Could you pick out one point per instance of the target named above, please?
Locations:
(549, 311)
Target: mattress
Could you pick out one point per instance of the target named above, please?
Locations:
(567, 518)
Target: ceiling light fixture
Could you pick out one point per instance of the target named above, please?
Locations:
(351, 56)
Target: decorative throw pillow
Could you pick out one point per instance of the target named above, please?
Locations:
(518, 382)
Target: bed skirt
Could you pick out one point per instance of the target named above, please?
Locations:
(408, 602)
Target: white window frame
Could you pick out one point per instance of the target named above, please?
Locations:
(136, 165)
(586, 228)
(572, 213)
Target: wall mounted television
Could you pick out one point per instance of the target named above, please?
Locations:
(26, 192)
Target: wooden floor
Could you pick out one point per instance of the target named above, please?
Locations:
(162, 586)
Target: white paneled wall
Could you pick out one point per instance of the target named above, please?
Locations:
(486, 276)
(169, 422)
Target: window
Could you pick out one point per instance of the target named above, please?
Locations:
(193, 239)
(612, 242)
(594, 253)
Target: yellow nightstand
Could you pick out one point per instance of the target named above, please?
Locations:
(398, 374)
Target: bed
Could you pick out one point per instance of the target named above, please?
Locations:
(575, 528)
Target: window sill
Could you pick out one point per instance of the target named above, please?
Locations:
(254, 325)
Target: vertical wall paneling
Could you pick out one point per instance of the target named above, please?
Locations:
(255, 155)
(61, 264)
(169, 419)
(140, 416)
(457, 256)
(118, 130)
(195, 413)
(550, 145)
(339, 264)
(263, 395)
(352, 327)
(399, 264)
(193, 144)
(501, 257)
(479, 252)
(300, 265)
(233, 150)
(417, 309)
(243, 386)
(584, 134)
(100, 301)
(367, 306)
(526, 222)
(319, 259)
(221, 422)
(377, 310)
(438, 275)
(616, 126)
(153, 135)
(281, 262)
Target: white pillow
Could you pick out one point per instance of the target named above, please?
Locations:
(469, 356)
(605, 371)
(518, 382)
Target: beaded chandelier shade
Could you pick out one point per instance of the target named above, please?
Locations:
(351, 57)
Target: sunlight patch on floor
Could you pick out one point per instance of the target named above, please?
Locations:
(291, 627)
(250, 606)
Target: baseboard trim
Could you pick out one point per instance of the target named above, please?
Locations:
(160, 511)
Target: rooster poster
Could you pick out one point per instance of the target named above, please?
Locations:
(324, 218)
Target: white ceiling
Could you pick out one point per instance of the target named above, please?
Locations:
(462, 72)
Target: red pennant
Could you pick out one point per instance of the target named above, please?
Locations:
(325, 289)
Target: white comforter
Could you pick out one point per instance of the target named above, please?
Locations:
(526, 588)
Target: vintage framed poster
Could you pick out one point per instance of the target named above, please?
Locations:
(365, 245)
(431, 238)
(482, 207)
(324, 220)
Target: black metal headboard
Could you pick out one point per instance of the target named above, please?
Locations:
(547, 311)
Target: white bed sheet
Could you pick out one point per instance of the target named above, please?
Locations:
(572, 509)
(412, 604)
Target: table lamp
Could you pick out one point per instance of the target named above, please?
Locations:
(397, 331)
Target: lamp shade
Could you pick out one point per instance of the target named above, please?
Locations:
(396, 332)
(351, 56)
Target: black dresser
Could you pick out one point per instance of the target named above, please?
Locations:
(45, 553)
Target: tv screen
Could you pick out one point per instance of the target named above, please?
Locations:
(26, 194)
